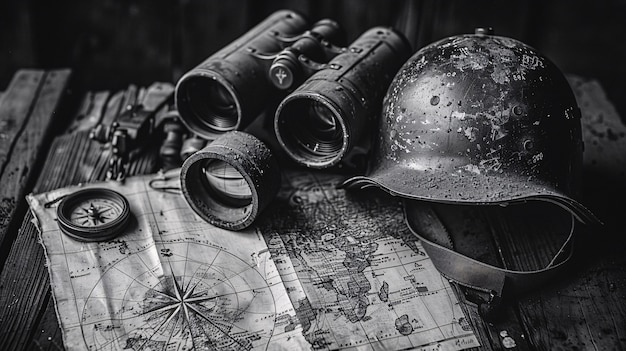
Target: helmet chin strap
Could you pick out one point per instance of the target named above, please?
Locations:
(485, 279)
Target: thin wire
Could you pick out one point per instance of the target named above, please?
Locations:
(167, 189)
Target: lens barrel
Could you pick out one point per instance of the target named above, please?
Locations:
(229, 89)
(321, 122)
(231, 180)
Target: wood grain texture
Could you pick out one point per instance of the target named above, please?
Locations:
(27, 114)
(90, 111)
(16, 105)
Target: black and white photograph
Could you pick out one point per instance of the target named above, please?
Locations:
(354, 175)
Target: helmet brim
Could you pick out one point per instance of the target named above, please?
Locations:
(468, 189)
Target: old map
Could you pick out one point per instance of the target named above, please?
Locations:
(357, 277)
(325, 269)
(171, 282)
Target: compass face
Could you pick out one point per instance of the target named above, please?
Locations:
(96, 214)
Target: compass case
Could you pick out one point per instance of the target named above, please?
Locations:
(100, 222)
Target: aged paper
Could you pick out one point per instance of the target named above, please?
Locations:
(357, 277)
(324, 269)
(170, 282)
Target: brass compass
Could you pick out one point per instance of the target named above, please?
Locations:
(96, 214)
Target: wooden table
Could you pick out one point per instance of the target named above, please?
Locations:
(44, 144)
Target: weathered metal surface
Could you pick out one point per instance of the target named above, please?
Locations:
(229, 89)
(248, 181)
(322, 121)
(480, 119)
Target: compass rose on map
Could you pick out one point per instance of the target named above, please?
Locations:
(185, 304)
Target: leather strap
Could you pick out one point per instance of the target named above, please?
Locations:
(427, 226)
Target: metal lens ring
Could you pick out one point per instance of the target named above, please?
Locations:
(310, 129)
(209, 105)
(231, 180)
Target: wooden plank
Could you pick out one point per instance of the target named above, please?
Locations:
(26, 113)
(15, 109)
(21, 296)
(90, 112)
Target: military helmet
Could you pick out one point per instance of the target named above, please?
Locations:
(479, 119)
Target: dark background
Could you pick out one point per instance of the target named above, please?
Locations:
(112, 43)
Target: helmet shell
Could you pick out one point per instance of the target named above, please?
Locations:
(479, 119)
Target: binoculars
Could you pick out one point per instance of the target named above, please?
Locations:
(339, 89)
(330, 95)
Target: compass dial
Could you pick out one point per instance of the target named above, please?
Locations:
(96, 214)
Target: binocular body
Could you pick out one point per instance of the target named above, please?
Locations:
(321, 122)
(230, 88)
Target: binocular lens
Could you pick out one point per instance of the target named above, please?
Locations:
(224, 109)
(311, 131)
(226, 183)
(211, 105)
